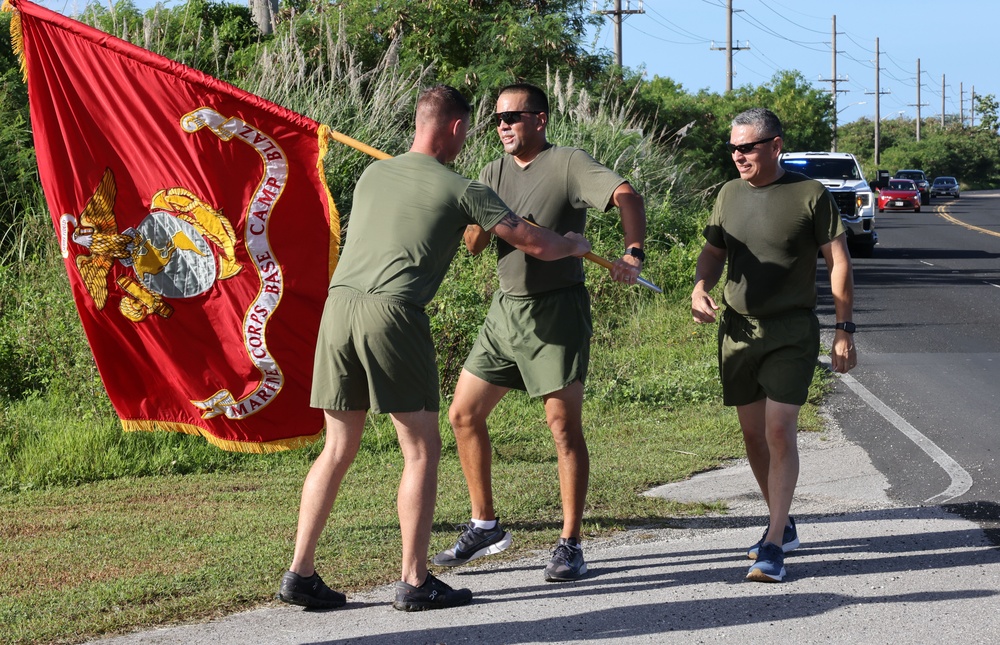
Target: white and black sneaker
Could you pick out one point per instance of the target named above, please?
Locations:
(567, 563)
(473, 543)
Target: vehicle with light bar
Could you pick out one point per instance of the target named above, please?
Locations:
(841, 173)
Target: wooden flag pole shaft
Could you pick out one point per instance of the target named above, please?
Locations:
(378, 154)
(354, 143)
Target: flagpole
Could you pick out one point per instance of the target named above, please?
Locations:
(354, 143)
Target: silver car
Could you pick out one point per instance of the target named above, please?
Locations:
(945, 186)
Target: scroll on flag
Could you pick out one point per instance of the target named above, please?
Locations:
(197, 230)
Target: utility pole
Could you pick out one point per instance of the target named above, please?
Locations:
(972, 107)
(918, 103)
(961, 105)
(878, 116)
(878, 92)
(833, 80)
(729, 48)
(942, 101)
(617, 15)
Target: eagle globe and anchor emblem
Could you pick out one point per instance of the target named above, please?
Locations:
(170, 251)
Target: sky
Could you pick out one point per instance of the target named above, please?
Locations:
(674, 38)
(955, 38)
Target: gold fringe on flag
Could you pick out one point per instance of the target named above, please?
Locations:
(16, 36)
(225, 444)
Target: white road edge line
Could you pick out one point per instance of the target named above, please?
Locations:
(961, 480)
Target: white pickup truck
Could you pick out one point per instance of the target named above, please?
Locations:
(841, 173)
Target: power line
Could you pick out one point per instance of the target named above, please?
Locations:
(783, 17)
(677, 29)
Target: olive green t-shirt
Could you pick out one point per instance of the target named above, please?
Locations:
(555, 190)
(406, 223)
(772, 236)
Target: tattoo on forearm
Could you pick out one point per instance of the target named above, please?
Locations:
(511, 220)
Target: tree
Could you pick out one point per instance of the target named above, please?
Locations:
(205, 34)
(805, 112)
(476, 43)
(971, 155)
(704, 118)
(986, 108)
(264, 13)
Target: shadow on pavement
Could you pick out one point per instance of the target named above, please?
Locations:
(855, 571)
(650, 619)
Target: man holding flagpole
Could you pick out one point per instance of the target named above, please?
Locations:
(536, 336)
(375, 350)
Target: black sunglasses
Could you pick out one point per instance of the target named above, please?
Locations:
(744, 148)
(510, 118)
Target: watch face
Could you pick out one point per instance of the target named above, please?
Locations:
(849, 327)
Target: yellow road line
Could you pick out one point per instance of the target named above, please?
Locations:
(942, 210)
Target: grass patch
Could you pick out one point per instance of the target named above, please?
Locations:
(138, 551)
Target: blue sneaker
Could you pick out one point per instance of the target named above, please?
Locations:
(789, 540)
(567, 563)
(770, 564)
(473, 543)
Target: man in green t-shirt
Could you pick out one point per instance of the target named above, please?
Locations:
(374, 349)
(766, 229)
(536, 336)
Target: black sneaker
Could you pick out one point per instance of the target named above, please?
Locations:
(567, 562)
(309, 592)
(433, 594)
(473, 543)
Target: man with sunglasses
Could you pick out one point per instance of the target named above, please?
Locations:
(767, 228)
(536, 336)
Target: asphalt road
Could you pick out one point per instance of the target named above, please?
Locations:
(927, 305)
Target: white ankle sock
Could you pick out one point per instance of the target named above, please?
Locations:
(483, 524)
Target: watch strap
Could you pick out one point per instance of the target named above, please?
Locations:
(636, 252)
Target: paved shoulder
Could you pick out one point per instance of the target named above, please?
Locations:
(867, 571)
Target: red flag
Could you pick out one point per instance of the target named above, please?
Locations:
(198, 232)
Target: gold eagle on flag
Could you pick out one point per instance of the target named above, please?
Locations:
(146, 250)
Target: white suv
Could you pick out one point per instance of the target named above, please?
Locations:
(841, 173)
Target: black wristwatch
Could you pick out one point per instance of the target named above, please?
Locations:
(636, 252)
(849, 327)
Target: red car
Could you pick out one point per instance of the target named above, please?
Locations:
(899, 195)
